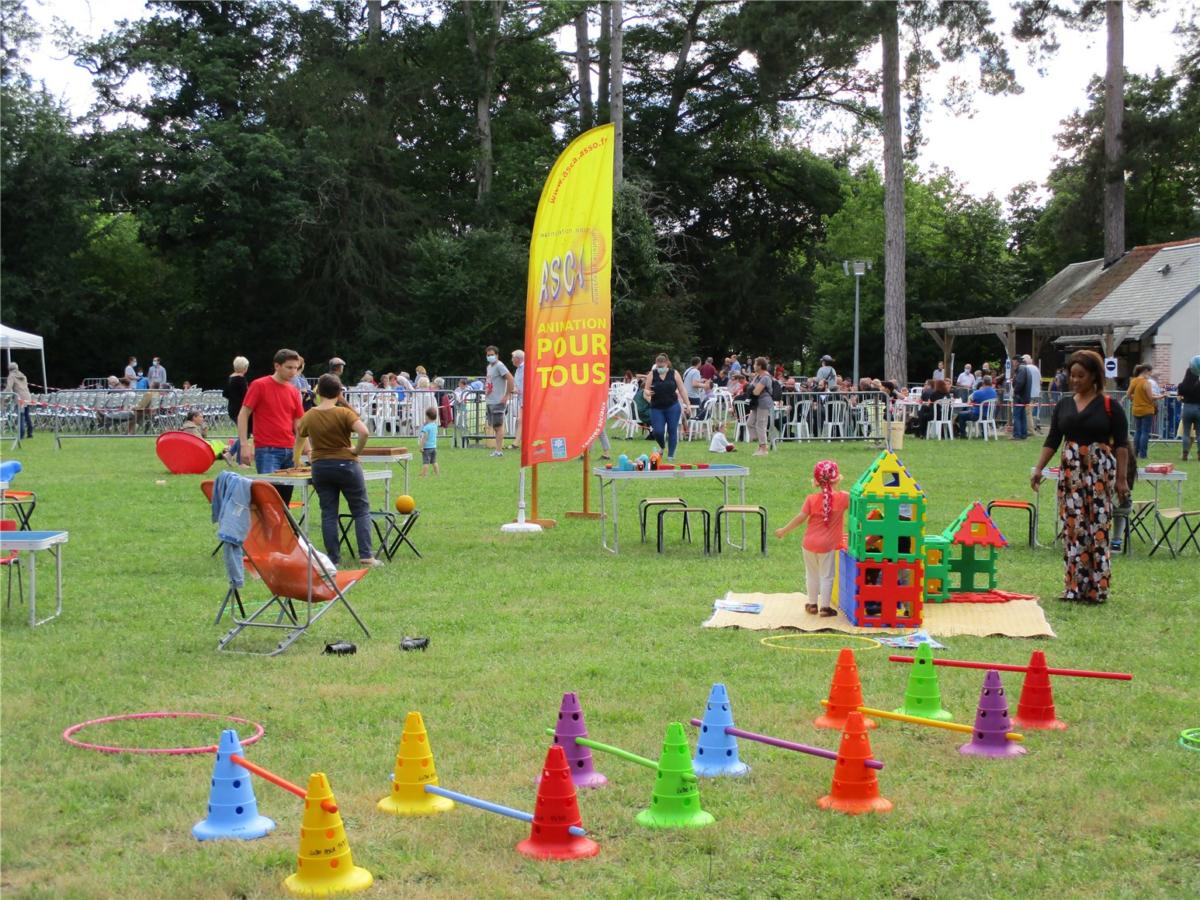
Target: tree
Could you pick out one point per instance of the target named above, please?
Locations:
(1161, 157)
(1036, 22)
(583, 69)
(957, 264)
(616, 101)
(895, 342)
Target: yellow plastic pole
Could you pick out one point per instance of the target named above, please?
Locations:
(917, 720)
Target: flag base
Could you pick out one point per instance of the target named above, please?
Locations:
(521, 528)
(583, 515)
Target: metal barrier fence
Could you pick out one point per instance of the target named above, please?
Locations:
(797, 416)
(104, 413)
(462, 414)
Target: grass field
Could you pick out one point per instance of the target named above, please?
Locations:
(1106, 808)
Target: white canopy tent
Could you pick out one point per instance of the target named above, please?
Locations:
(11, 339)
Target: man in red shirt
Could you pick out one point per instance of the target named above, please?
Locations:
(276, 406)
(708, 371)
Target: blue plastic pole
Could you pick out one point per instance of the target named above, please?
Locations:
(492, 807)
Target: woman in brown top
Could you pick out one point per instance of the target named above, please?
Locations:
(336, 471)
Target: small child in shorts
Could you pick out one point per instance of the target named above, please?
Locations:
(429, 442)
(825, 513)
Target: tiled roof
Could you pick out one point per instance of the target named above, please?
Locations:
(1079, 289)
(1159, 284)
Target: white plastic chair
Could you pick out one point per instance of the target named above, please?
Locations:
(798, 423)
(986, 421)
(836, 414)
(741, 410)
(702, 427)
(942, 421)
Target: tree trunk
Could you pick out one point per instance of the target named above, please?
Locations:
(484, 53)
(374, 19)
(895, 328)
(617, 107)
(583, 65)
(679, 75)
(602, 47)
(1114, 167)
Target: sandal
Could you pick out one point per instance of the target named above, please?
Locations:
(828, 612)
(810, 608)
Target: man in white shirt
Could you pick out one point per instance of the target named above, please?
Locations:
(966, 382)
(939, 374)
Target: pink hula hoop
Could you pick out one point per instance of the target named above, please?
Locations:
(167, 751)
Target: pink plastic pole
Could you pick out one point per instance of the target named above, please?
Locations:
(1000, 667)
(787, 745)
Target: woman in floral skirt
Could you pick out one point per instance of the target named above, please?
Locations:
(1094, 434)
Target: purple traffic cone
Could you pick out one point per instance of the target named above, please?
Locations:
(991, 722)
(571, 725)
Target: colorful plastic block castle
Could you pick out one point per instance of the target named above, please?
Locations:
(890, 568)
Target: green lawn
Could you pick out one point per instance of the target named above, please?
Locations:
(1106, 808)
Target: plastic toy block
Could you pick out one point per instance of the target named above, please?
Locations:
(975, 526)
(937, 568)
(845, 590)
(887, 594)
(887, 476)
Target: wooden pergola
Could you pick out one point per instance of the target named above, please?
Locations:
(1111, 332)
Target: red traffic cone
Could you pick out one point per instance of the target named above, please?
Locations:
(556, 810)
(1035, 709)
(855, 788)
(845, 694)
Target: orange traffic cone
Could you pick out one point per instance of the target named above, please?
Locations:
(414, 769)
(855, 788)
(845, 694)
(556, 810)
(324, 865)
(1035, 709)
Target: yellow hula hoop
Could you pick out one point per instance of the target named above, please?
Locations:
(871, 643)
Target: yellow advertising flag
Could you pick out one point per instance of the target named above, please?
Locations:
(568, 305)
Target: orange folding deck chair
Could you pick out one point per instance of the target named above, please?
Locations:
(290, 570)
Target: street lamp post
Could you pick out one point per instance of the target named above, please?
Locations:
(858, 268)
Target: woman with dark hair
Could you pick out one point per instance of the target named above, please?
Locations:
(1189, 394)
(336, 471)
(1094, 435)
(761, 403)
(664, 392)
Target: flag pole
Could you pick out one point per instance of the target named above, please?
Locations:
(521, 526)
(585, 513)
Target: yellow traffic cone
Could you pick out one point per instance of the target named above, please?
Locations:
(414, 769)
(324, 865)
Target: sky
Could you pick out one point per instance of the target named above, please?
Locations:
(1008, 141)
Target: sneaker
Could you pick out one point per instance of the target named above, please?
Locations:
(370, 563)
(760, 453)
(496, 453)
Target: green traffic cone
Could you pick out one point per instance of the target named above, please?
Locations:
(922, 697)
(676, 800)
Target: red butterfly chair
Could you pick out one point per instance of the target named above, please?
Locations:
(11, 561)
(288, 568)
(184, 454)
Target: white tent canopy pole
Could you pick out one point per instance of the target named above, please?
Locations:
(11, 339)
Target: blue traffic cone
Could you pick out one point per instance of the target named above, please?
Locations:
(232, 809)
(716, 751)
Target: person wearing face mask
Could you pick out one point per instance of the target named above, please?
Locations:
(500, 387)
(665, 392)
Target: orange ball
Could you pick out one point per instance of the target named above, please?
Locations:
(405, 504)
